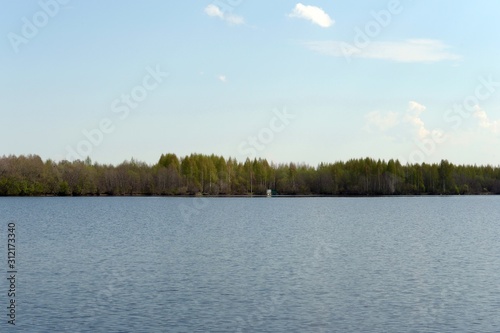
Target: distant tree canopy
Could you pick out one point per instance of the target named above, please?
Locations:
(215, 175)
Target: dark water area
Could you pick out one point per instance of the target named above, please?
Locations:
(151, 264)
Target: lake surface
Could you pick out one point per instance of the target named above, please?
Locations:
(146, 264)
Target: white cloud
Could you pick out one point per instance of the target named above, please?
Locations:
(410, 51)
(485, 122)
(313, 14)
(222, 78)
(399, 124)
(413, 117)
(214, 11)
(406, 131)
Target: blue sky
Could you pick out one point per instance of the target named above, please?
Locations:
(286, 80)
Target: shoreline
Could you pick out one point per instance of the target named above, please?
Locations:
(248, 195)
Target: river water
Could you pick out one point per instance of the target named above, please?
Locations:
(155, 264)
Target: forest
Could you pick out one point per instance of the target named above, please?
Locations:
(199, 174)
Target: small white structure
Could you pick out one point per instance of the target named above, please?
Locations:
(269, 193)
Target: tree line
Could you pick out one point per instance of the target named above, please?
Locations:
(198, 174)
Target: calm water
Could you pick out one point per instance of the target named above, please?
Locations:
(412, 264)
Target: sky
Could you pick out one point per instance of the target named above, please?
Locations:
(289, 81)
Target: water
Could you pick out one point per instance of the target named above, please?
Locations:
(402, 264)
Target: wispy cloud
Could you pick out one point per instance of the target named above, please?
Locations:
(222, 78)
(381, 121)
(409, 51)
(214, 11)
(313, 14)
